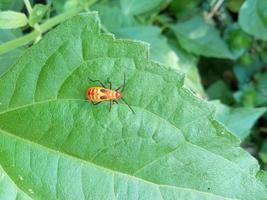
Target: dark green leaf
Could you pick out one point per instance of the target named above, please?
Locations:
(11, 5)
(220, 90)
(237, 41)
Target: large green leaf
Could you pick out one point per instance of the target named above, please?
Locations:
(56, 145)
(253, 18)
(201, 38)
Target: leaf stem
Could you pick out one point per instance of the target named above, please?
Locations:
(43, 28)
(214, 9)
(28, 6)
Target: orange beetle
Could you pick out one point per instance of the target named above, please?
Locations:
(99, 94)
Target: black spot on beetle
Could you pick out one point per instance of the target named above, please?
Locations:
(103, 90)
(103, 97)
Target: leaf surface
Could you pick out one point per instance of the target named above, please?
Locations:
(55, 145)
(233, 117)
(135, 7)
(199, 37)
(253, 18)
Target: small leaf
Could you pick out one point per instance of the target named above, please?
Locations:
(253, 18)
(200, 38)
(37, 13)
(11, 19)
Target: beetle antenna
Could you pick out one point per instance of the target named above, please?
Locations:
(122, 86)
(124, 77)
(127, 105)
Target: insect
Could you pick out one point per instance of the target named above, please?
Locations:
(99, 94)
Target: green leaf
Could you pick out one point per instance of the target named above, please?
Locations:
(9, 190)
(56, 145)
(201, 38)
(37, 13)
(234, 5)
(254, 93)
(160, 50)
(184, 8)
(233, 117)
(11, 5)
(11, 19)
(220, 90)
(113, 18)
(188, 64)
(237, 41)
(136, 7)
(253, 18)
(7, 59)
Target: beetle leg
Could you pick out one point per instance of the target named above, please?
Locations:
(102, 84)
(110, 84)
(110, 105)
(96, 103)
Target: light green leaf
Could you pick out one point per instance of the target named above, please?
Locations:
(65, 148)
(113, 18)
(159, 48)
(136, 7)
(253, 18)
(198, 37)
(11, 19)
(37, 13)
(238, 120)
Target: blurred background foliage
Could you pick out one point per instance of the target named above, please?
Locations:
(220, 45)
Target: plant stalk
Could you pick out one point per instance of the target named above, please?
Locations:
(34, 34)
